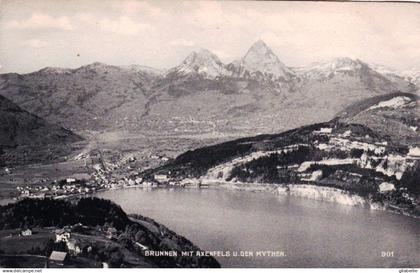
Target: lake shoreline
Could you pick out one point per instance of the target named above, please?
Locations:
(315, 192)
(308, 191)
(325, 194)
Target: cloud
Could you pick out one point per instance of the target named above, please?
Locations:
(182, 42)
(86, 18)
(273, 39)
(41, 21)
(133, 7)
(34, 43)
(221, 53)
(124, 26)
(212, 13)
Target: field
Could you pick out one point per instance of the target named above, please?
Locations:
(32, 175)
(22, 261)
(24, 244)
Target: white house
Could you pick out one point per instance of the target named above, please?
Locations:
(161, 177)
(73, 247)
(324, 131)
(111, 233)
(414, 152)
(62, 235)
(386, 187)
(139, 180)
(70, 180)
(26, 232)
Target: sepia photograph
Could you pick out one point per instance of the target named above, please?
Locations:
(209, 134)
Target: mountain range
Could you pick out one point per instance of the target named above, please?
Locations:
(255, 94)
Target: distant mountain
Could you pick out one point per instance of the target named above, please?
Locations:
(261, 64)
(338, 66)
(395, 116)
(143, 69)
(261, 94)
(257, 93)
(341, 68)
(403, 78)
(92, 97)
(20, 128)
(412, 76)
(334, 85)
(202, 63)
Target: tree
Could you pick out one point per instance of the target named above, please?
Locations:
(410, 179)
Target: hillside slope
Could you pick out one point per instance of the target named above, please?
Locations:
(26, 138)
(20, 128)
(396, 116)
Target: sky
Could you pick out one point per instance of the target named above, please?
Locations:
(71, 33)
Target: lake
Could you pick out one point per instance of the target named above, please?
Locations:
(311, 233)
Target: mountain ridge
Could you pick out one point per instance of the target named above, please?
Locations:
(201, 95)
(201, 62)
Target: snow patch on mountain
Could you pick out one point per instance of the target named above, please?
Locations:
(385, 70)
(331, 68)
(55, 70)
(412, 75)
(394, 103)
(143, 68)
(201, 62)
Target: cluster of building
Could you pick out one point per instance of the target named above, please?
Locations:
(73, 245)
(71, 242)
(100, 180)
(56, 188)
(101, 174)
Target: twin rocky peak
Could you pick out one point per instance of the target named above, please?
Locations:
(258, 62)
